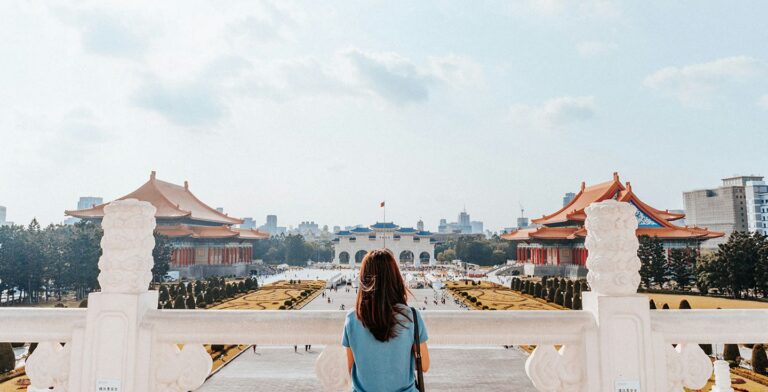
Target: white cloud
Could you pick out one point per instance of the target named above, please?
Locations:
(593, 9)
(389, 75)
(192, 104)
(693, 84)
(763, 102)
(202, 98)
(555, 113)
(456, 70)
(594, 48)
(108, 34)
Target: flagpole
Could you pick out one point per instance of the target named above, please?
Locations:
(384, 206)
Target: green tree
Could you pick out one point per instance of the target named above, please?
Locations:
(161, 253)
(740, 256)
(759, 359)
(7, 358)
(681, 266)
(447, 255)
(652, 261)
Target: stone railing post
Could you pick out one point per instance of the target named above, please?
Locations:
(112, 356)
(630, 356)
(113, 353)
(624, 328)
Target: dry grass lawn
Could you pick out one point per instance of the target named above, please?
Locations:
(497, 297)
(270, 297)
(699, 302)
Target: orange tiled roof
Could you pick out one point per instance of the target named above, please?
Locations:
(252, 234)
(586, 196)
(170, 200)
(210, 232)
(574, 213)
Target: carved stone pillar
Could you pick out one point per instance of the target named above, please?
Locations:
(113, 351)
(629, 354)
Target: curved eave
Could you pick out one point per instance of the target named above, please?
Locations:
(563, 215)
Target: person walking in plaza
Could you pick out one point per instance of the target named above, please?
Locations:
(386, 341)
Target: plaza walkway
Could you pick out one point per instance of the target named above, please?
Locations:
(453, 369)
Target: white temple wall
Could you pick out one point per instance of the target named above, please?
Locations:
(397, 246)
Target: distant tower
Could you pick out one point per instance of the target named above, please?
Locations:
(465, 226)
(567, 198)
(248, 223)
(420, 225)
(2, 215)
(272, 220)
(522, 221)
(86, 202)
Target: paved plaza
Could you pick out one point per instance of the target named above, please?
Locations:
(453, 369)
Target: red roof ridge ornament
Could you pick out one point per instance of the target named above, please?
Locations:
(583, 185)
(186, 184)
(152, 175)
(629, 186)
(616, 176)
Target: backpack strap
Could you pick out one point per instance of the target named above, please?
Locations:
(417, 351)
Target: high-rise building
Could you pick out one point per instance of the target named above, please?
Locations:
(720, 209)
(84, 203)
(567, 198)
(756, 193)
(2, 216)
(271, 226)
(477, 227)
(336, 229)
(248, 223)
(311, 228)
(420, 225)
(522, 222)
(88, 201)
(272, 220)
(443, 227)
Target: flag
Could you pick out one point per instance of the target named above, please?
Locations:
(382, 204)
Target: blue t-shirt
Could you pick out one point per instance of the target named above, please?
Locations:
(382, 366)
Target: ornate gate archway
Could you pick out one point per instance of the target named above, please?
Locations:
(344, 258)
(406, 257)
(424, 258)
(359, 256)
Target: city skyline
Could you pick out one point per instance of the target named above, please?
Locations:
(323, 110)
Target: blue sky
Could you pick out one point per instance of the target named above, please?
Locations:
(320, 110)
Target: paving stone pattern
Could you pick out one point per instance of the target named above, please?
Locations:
(271, 369)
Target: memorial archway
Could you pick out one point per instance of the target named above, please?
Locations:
(406, 257)
(359, 256)
(424, 258)
(344, 258)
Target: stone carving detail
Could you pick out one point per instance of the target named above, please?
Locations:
(556, 371)
(331, 369)
(687, 366)
(126, 260)
(612, 243)
(181, 370)
(48, 366)
(722, 377)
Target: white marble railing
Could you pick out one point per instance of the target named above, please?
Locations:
(122, 343)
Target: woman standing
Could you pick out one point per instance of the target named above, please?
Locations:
(379, 333)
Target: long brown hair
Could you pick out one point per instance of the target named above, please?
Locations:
(381, 291)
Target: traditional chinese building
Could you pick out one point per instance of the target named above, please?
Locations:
(556, 245)
(409, 245)
(205, 241)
